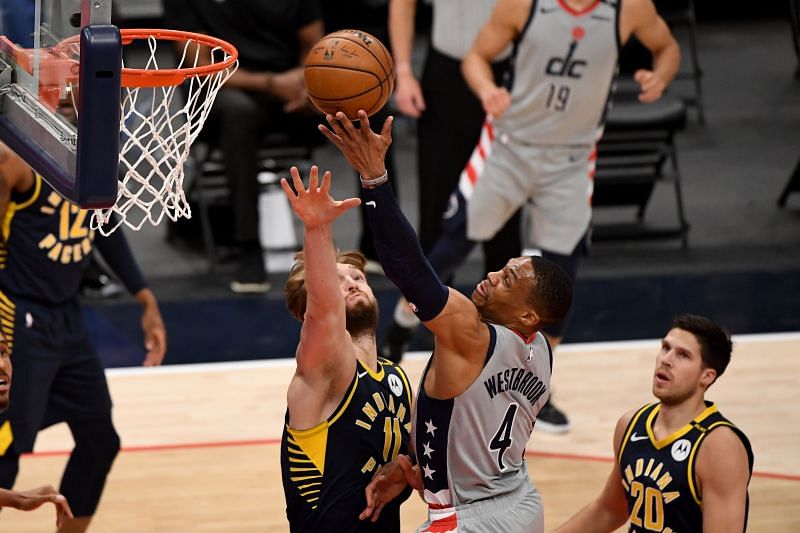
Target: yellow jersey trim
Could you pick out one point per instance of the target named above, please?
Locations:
(313, 443)
(377, 376)
(13, 207)
(346, 402)
(692, 477)
(627, 435)
(666, 441)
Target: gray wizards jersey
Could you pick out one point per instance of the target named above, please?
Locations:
(472, 447)
(563, 66)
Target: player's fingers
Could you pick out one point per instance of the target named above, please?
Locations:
(419, 103)
(408, 109)
(335, 139)
(648, 97)
(641, 75)
(297, 181)
(326, 182)
(377, 512)
(386, 131)
(350, 203)
(346, 124)
(313, 179)
(288, 191)
(336, 124)
(63, 505)
(366, 129)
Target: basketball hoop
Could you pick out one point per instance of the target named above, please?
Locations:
(157, 129)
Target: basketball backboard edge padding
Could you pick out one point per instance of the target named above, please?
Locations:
(80, 164)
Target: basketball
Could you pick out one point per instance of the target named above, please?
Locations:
(348, 70)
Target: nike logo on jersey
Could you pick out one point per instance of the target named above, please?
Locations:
(599, 17)
(362, 374)
(371, 204)
(547, 10)
(636, 437)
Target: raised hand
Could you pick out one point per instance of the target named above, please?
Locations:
(364, 149)
(314, 206)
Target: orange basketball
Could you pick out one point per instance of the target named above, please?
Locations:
(348, 70)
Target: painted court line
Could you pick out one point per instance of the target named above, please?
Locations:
(289, 361)
(270, 442)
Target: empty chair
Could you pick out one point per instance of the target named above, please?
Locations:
(636, 152)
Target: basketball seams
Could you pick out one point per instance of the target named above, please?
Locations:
(360, 43)
(321, 73)
(338, 67)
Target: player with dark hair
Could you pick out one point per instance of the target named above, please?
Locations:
(489, 374)
(45, 246)
(349, 410)
(681, 465)
(543, 120)
(26, 500)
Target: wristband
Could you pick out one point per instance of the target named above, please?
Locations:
(374, 182)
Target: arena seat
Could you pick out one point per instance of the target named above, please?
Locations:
(637, 151)
(208, 193)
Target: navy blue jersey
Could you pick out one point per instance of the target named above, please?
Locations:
(45, 245)
(659, 475)
(326, 468)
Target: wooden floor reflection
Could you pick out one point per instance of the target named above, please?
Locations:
(201, 454)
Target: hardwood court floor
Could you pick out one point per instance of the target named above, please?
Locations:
(201, 454)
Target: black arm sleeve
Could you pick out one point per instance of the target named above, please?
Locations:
(116, 252)
(400, 254)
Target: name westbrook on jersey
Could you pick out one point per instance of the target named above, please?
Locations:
(516, 379)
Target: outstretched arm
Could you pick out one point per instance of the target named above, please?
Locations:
(28, 500)
(446, 312)
(325, 355)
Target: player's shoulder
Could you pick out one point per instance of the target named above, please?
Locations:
(724, 455)
(724, 438)
(624, 421)
(634, 11)
(512, 11)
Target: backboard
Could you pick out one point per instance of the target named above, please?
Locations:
(60, 64)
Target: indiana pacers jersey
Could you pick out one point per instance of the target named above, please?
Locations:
(472, 447)
(563, 65)
(659, 475)
(51, 242)
(326, 468)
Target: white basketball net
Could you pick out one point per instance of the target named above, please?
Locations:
(157, 130)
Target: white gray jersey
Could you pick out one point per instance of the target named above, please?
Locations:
(472, 447)
(456, 23)
(563, 67)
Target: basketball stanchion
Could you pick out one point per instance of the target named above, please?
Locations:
(158, 127)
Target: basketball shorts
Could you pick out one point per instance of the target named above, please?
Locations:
(554, 184)
(57, 375)
(519, 511)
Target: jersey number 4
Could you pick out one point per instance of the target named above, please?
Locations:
(502, 438)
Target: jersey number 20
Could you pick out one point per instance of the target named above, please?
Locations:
(502, 438)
